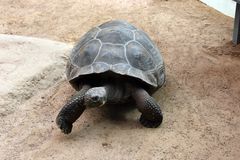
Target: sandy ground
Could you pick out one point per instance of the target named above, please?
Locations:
(200, 102)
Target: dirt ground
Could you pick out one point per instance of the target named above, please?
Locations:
(200, 102)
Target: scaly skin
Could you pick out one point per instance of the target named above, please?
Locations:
(151, 113)
(72, 111)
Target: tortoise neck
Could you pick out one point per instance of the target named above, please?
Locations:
(118, 92)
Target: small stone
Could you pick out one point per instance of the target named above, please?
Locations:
(104, 144)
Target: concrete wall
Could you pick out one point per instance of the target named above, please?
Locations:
(227, 7)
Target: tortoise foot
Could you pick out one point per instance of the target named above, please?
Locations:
(65, 126)
(150, 124)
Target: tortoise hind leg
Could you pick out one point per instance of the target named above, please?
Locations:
(151, 113)
(71, 111)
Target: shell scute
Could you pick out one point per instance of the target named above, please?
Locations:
(139, 57)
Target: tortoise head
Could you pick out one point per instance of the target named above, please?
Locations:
(95, 97)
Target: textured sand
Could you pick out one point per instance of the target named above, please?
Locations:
(200, 102)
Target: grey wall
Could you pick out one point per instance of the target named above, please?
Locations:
(227, 7)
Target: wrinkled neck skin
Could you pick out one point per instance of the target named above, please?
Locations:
(118, 92)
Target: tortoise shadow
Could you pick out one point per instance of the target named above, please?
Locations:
(117, 112)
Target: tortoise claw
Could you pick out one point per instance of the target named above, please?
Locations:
(148, 123)
(65, 126)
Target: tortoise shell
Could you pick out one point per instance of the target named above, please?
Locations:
(119, 47)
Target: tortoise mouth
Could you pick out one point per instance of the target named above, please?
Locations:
(92, 104)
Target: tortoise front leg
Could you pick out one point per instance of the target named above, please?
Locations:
(72, 110)
(151, 113)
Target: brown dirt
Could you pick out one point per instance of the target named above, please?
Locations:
(201, 100)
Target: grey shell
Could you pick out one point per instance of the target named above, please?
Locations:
(119, 47)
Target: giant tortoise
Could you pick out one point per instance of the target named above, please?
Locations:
(111, 64)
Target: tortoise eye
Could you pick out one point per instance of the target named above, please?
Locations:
(95, 98)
